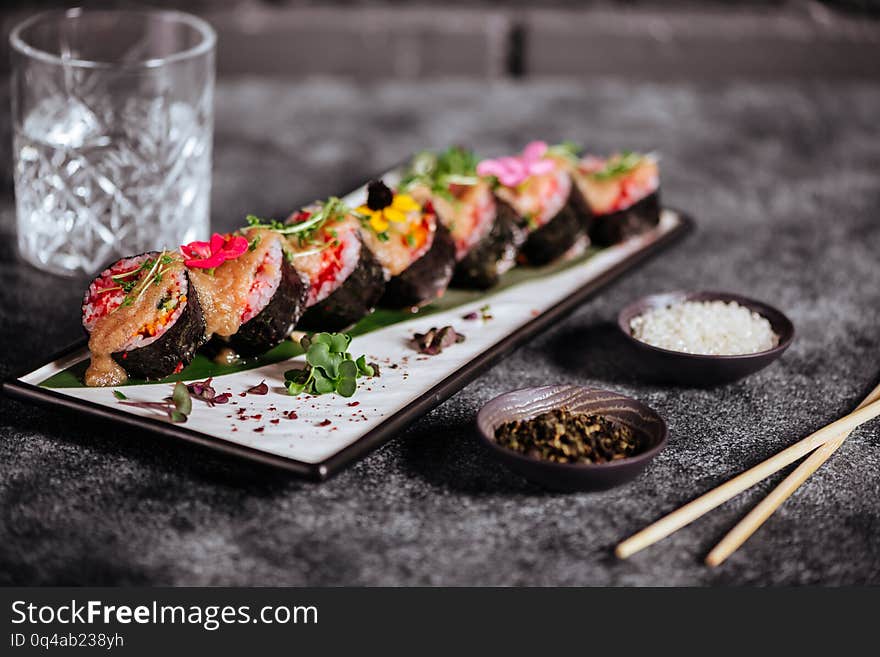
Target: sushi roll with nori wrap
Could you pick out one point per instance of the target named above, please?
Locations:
(537, 185)
(623, 192)
(346, 280)
(415, 249)
(486, 231)
(493, 255)
(143, 319)
(252, 300)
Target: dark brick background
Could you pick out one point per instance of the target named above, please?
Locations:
(648, 39)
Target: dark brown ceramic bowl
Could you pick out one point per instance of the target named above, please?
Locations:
(698, 369)
(529, 402)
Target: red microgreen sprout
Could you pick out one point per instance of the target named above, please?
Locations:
(177, 407)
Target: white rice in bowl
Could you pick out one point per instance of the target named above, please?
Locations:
(716, 328)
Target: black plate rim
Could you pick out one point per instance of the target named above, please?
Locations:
(388, 429)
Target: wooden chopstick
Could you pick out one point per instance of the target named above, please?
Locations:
(757, 516)
(696, 508)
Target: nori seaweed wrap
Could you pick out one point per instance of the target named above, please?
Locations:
(346, 280)
(493, 255)
(486, 232)
(353, 300)
(273, 324)
(537, 185)
(623, 193)
(560, 233)
(415, 249)
(254, 299)
(170, 353)
(427, 278)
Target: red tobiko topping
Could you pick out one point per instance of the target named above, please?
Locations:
(208, 255)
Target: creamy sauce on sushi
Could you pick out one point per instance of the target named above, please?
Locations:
(135, 317)
(224, 292)
(103, 371)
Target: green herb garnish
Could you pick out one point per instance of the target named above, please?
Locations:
(567, 150)
(135, 288)
(329, 209)
(329, 367)
(119, 395)
(437, 171)
(618, 165)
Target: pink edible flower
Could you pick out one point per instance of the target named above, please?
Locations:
(208, 255)
(513, 171)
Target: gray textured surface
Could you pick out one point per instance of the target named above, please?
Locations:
(783, 182)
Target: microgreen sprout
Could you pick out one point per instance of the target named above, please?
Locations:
(329, 367)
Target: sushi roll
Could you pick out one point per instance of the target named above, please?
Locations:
(415, 249)
(538, 187)
(253, 297)
(346, 280)
(143, 319)
(483, 265)
(623, 193)
(486, 231)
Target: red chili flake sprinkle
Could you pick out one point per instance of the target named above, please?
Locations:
(354, 403)
(258, 416)
(260, 429)
(325, 423)
(222, 398)
(275, 420)
(291, 415)
(242, 394)
(260, 389)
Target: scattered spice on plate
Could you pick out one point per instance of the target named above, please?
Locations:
(324, 423)
(565, 437)
(436, 340)
(483, 313)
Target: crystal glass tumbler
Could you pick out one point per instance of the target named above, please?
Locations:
(112, 117)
